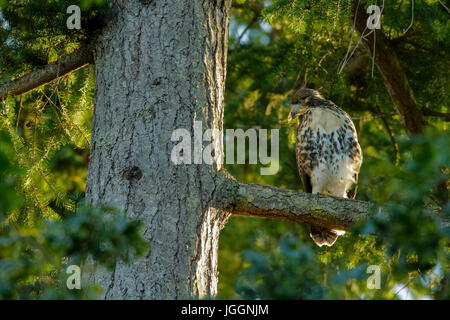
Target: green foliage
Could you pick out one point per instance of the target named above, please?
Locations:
(50, 129)
(34, 33)
(290, 272)
(51, 126)
(407, 226)
(9, 200)
(33, 260)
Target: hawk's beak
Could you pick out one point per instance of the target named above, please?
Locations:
(292, 116)
(296, 111)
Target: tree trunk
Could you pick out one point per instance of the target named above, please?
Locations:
(160, 66)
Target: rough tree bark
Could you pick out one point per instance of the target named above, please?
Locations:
(160, 65)
(262, 201)
(393, 75)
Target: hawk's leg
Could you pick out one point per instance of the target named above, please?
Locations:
(321, 185)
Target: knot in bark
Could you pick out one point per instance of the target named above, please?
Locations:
(132, 173)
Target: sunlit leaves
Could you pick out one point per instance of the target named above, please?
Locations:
(33, 259)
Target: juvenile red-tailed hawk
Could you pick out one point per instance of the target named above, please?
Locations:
(328, 152)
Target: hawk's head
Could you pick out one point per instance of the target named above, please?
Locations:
(299, 101)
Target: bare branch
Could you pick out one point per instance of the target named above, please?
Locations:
(380, 115)
(254, 5)
(250, 24)
(391, 136)
(45, 74)
(263, 201)
(431, 113)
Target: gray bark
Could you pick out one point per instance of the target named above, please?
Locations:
(261, 201)
(160, 65)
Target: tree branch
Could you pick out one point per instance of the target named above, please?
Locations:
(270, 202)
(263, 201)
(45, 74)
(391, 136)
(431, 113)
(254, 5)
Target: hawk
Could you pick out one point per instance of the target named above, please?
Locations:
(327, 150)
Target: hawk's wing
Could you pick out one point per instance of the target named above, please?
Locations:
(306, 179)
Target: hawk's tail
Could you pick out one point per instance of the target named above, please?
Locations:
(323, 236)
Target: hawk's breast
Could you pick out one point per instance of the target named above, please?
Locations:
(326, 139)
